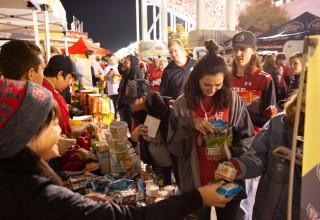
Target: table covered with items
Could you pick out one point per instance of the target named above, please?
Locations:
(106, 162)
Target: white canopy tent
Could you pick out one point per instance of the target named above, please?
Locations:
(34, 18)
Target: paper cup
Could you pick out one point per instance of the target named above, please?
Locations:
(118, 145)
(117, 156)
(118, 129)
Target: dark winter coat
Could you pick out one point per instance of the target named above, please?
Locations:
(158, 108)
(134, 72)
(181, 139)
(174, 77)
(25, 195)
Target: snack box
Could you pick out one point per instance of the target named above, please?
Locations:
(229, 189)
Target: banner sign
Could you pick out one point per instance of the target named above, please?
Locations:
(310, 194)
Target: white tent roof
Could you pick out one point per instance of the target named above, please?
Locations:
(16, 16)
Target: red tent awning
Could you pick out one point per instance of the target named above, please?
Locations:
(82, 45)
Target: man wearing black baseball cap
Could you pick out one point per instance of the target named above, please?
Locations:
(254, 86)
(136, 89)
(250, 81)
(57, 76)
(244, 39)
(153, 150)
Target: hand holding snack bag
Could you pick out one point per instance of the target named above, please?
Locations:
(218, 142)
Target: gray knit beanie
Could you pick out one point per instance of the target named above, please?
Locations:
(24, 107)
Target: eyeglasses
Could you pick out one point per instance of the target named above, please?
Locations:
(174, 51)
(241, 49)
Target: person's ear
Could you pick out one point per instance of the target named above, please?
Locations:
(254, 49)
(60, 74)
(29, 74)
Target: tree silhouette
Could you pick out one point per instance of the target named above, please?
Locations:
(179, 34)
(262, 16)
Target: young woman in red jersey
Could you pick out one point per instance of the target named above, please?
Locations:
(208, 103)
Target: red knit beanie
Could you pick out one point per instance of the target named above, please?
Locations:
(24, 107)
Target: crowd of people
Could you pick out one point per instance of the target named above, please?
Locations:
(251, 103)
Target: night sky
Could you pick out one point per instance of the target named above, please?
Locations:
(110, 22)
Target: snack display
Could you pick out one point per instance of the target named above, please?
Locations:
(105, 162)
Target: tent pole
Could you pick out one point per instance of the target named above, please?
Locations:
(46, 19)
(35, 27)
(137, 21)
(66, 43)
(295, 129)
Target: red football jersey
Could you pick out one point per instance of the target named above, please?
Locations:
(258, 91)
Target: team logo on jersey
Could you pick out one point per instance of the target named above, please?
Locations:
(238, 89)
(267, 75)
(247, 83)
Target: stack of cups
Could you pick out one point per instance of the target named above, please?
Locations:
(118, 141)
(151, 193)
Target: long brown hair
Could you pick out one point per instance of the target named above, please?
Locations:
(210, 64)
(290, 111)
(269, 64)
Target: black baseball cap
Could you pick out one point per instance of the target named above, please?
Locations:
(244, 39)
(63, 63)
(136, 89)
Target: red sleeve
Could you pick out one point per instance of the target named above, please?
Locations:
(285, 71)
(235, 163)
(133, 125)
(64, 121)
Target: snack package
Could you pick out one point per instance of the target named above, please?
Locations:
(102, 120)
(219, 125)
(92, 102)
(163, 194)
(217, 145)
(128, 197)
(171, 189)
(104, 162)
(85, 155)
(152, 190)
(91, 167)
(229, 189)
(105, 105)
(226, 172)
(120, 184)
